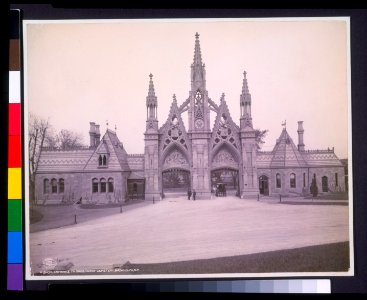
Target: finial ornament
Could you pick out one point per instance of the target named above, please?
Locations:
(107, 123)
(197, 36)
(244, 73)
(284, 124)
(115, 127)
(222, 97)
(151, 75)
(174, 98)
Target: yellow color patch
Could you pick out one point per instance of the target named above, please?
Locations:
(14, 183)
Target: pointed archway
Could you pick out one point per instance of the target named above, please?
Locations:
(225, 179)
(176, 178)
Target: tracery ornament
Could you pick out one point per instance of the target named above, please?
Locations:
(224, 158)
(224, 132)
(174, 134)
(175, 159)
(199, 105)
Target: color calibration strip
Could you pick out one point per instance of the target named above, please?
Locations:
(281, 286)
(15, 237)
(311, 286)
(244, 286)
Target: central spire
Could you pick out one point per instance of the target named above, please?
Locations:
(197, 53)
(197, 68)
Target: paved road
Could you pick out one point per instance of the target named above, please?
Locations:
(178, 229)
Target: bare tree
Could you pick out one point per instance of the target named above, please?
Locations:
(67, 139)
(38, 129)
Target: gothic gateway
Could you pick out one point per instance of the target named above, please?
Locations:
(176, 159)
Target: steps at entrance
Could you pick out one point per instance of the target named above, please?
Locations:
(175, 194)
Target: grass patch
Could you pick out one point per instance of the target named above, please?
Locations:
(330, 196)
(321, 258)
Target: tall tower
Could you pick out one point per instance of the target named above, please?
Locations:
(151, 155)
(199, 126)
(250, 185)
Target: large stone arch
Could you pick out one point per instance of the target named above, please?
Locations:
(175, 156)
(225, 170)
(224, 154)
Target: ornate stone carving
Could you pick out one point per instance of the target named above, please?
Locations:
(224, 132)
(175, 159)
(175, 133)
(224, 158)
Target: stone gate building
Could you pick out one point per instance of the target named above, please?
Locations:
(178, 159)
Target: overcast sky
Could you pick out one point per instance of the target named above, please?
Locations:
(296, 70)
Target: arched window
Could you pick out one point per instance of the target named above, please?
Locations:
(292, 180)
(46, 186)
(61, 186)
(100, 160)
(53, 186)
(325, 186)
(110, 185)
(104, 160)
(95, 185)
(103, 185)
(278, 181)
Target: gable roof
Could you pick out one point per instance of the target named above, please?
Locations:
(286, 154)
(117, 155)
(119, 150)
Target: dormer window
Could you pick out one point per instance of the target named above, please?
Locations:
(102, 160)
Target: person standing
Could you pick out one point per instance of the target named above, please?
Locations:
(194, 194)
(188, 194)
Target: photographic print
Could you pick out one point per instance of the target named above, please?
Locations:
(188, 148)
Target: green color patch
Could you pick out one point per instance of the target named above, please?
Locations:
(14, 215)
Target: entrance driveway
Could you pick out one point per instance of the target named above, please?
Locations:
(178, 229)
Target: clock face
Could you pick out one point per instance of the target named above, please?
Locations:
(199, 124)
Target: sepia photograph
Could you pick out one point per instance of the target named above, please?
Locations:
(187, 148)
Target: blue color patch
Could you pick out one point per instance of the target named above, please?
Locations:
(15, 247)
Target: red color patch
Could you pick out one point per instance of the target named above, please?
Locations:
(14, 119)
(15, 153)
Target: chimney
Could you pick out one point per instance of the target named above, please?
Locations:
(301, 145)
(98, 135)
(92, 134)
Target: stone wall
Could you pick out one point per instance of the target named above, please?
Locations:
(77, 185)
(301, 188)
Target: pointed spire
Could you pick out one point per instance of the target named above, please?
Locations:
(245, 98)
(151, 102)
(197, 68)
(151, 92)
(245, 91)
(197, 54)
(174, 98)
